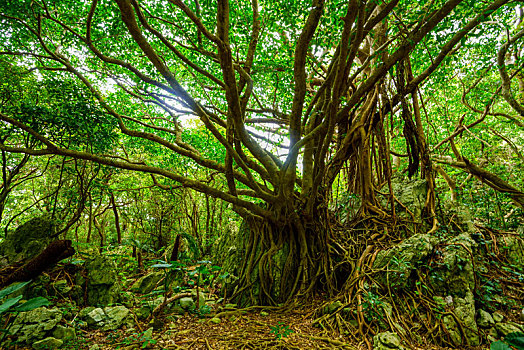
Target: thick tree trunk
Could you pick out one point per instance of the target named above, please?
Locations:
(281, 261)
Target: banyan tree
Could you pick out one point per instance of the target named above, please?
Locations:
(300, 102)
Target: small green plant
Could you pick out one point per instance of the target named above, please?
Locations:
(510, 342)
(145, 338)
(281, 330)
(370, 306)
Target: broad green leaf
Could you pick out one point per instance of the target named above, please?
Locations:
(9, 303)
(32, 304)
(515, 339)
(13, 288)
(162, 265)
(499, 345)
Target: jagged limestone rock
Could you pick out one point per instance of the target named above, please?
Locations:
(453, 329)
(116, 316)
(456, 276)
(387, 341)
(513, 246)
(412, 194)
(28, 240)
(102, 285)
(96, 317)
(64, 333)
(83, 313)
(146, 284)
(462, 220)
(504, 328)
(35, 325)
(48, 343)
(484, 319)
(187, 303)
(498, 317)
(400, 260)
(109, 318)
(464, 309)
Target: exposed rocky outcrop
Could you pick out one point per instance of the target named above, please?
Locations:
(108, 318)
(412, 194)
(35, 325)
(102, 283)
(453, 261)
(399, 262)
(387, 341)
(146, 284)
(28, 240)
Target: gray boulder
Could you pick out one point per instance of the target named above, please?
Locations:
(412, 194)
(116, 317)
(35, 325)
(514, 249)
(48, 343)
(456, 278)
(28, 240)
(64, 333)
(505, 328)
(146, 284)
(102, 284)
(399, 261)
(96, 317)
(484, 319)
(187, 303)
(387, 341)
(109, 318)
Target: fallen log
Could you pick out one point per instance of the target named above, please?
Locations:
(53, 253)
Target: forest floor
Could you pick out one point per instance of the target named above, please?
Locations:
(238, 329)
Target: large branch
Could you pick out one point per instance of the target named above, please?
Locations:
(506, 81)
(486, 177)
(232, 92)
(117, 163)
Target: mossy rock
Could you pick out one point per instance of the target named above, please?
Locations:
(146, 284)
(513, 246)
(402, 259)
(102, 283)
(412, 194)
(29, 239)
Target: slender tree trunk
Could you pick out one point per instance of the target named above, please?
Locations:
(90, 222)
(117, 218)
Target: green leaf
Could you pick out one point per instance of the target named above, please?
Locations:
(515, 339)
(499, 345)
(13, 288)
(32, 304)
(9, 303)
(162, 265)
